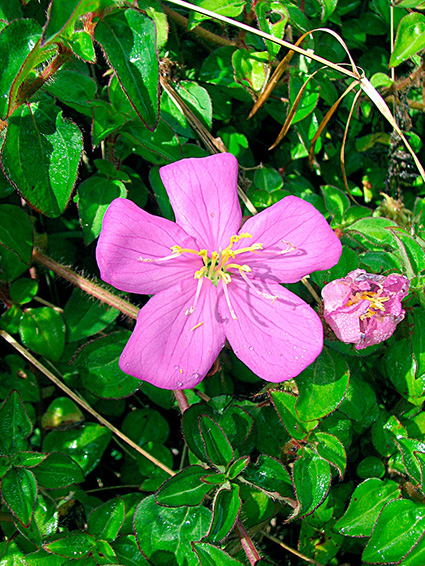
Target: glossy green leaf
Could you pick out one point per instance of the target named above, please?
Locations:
(58, 470)
(312, 478)
(375, 230)
(410, 38)
(226, 508)
(62, 16)
(360, 404)
(159, 147)
(129, 41)
(74, 88)
(85, 444)
(237, 467)
(84, 318)
(28, 459)
(210, 555)
(417, 556)
(11, 11)
(16, 242)
(399, 528)
(272, 18)
(61, 412)
(106, 120)
(74, 545)
(19, 491)
(100, 372)
(401, 367)
(82, 45)
(418, 341)
(365, 506)
(371, 467)
(42, 330)
(104, 554)
(237, 423)
(146, 425)
(105, 522)
(38, 133)
(128, 552)
(17, 40)
(322, 386)
(336, 202)
(250, 68)
(95, 195)
(330, 448)
(160, 193)
(270, 475)
(171, 531)
(409, 448)
(44, 522)
(285, 404)
(217, 446)
(228, 8)
(23, 290)
(5, 464)
(15, 425)
(185, 489)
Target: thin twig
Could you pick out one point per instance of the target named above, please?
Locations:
(291, 550)
(24, 352)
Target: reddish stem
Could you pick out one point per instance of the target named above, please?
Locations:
(247, 544)
(181, 399)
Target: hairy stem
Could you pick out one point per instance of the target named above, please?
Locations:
(92, 288)
(247, 544)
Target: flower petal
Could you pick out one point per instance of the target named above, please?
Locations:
(290, 223)
(203, 194)
(128, 234)
(275, 339)
(168, 348)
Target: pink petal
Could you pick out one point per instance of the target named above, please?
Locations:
(128, 234)
(168, 348)
(203, 194)
(291, 222)
(345, 321)
(275, 339)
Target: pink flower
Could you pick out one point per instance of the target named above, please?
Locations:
(211, 281)
(363, 308)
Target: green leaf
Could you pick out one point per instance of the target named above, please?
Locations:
(210, 555)
(336, 202)
(250, 68)
(146, 425)
(62, 16)
(237, 467)
(74, 545)
(417, 556)
(160, 194)
(410, 449)
(191, 430)
(62, 412)
(82, 45)
(42, 330)
(285, 405)
(366, 504)
(58, 470)
(217, 446)
(272, 18)
(399, 528)
(15, 425)
(159, 147)
(267, 178)
(95, 195)
(104, 554)
(99, 369)
(16, 242)
(374, 230)
(410, 38)
(17, 40)
(360, 404)
(23, 290)
(37, 132)
(270, 475)
(185, 489)
(330, 448)
(84, 318)
(19, 491)
(418, 341)
(74, 88)
(226, 508)
(28, 459)
(106, 120)
(230, 8)
(128, 552)
(370, 467)
(322, 386)
(105, 522)
(44, 522)
(312, 478)
(128, 39)
(165, 533)
(85, 444)
(5, 464)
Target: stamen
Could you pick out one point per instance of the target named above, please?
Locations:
(290, 247)
(253, 248)
(179, 250)
(151, 260)
(272, 298)
(226, 294)
(214, 257)
(190, 310)
(197, 326)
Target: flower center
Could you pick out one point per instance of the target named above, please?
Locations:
(375, 302)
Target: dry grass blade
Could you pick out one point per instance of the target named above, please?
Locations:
(293, 110)
(33, 361)
(214, 145)
(275, 78)
(325, 120)
(377, 99)
(342, 154)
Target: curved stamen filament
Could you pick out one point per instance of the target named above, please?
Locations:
(250, 284)
(190, 310)
(226, 295)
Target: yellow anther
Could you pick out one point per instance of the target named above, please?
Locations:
(197, 326)
(200, 272)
